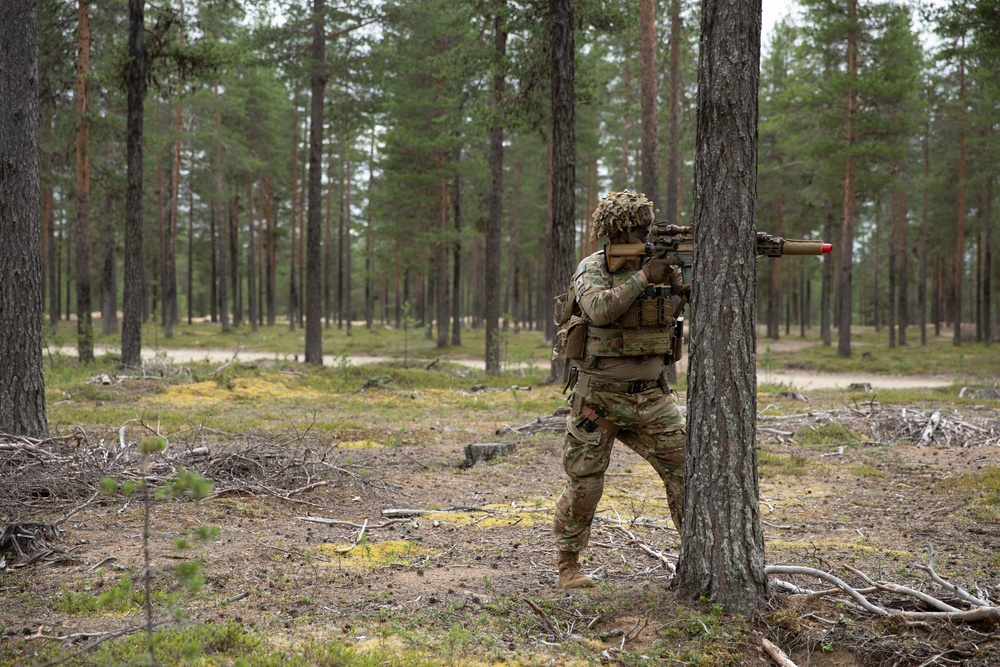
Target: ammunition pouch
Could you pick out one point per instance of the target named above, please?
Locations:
(653, 307)
(614, 342)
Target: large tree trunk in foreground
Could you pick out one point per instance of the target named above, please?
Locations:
(722, 543)
(22, 387)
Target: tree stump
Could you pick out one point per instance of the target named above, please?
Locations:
(477, 452)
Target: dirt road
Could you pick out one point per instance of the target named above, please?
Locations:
(800, 380)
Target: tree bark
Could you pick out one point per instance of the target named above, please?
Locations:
(988, 262)
(109, 272)
(902, 309)
(647, 84)
(456, 277)
(827, 286)
(722, 543)
(444, 208)
(847, 230)
(561, 254)
(925, 191)
(293, 291)
(253, 303)
(959, 257)
(53, 261)
(84, 324)
(224, 223)
(22, 386)
(673, 120)
(314, 225)
(495, 198)
(132, 309)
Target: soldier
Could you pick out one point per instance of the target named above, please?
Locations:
(620, 390)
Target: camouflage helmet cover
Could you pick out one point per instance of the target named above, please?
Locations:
(620, 211)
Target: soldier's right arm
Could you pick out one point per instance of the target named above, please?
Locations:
(601, 303)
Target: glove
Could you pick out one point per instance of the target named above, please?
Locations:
(657, 270)
(683, 291)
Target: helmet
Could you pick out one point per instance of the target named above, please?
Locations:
(621, 211)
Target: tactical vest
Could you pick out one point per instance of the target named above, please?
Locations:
(646, 328)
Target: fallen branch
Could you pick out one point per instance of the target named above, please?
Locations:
(777, 654)
(339, 522)
(667, 565)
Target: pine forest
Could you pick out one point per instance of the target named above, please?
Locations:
(400, 155)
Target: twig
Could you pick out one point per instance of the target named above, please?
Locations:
(552, 627)
(307, 487)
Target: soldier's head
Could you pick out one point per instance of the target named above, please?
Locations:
(619, 213)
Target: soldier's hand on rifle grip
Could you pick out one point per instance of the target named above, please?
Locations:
(657, 270)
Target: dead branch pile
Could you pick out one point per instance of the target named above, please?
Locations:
(57, 474)
(948, 625)
(886, 425)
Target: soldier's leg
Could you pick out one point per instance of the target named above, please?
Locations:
(585, 459)
(660, 438)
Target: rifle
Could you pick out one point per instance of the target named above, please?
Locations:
(676, 245)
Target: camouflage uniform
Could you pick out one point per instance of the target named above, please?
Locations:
(631, 394)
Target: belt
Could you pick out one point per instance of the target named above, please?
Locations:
(622, 386)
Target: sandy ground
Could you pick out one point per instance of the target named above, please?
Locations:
(800, 380)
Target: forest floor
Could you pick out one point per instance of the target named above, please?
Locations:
(350, 533)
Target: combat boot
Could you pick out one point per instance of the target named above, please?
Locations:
(570, 575)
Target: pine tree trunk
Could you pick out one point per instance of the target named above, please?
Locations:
(774, 282)
(456, 285)
(562, 239)
(328, 244)
(347, 250)
(293, 293)
(213, 296)
(190, 254)
(340, 243)
(22, 386)
(272, 258)
(903, 310)
(673, 119)
(647, 84)
(223, 289)
(827, 286)
(370, 240)
(922, 273)
(495, 201)
(444, 208)
(314, 226)
(253, 303)
(959, 257)
(84, 324)
(109, 272)
(988, 261)
(53, 262)
(234, 260)
(132, 306)
(847, 231)
(722, 542)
